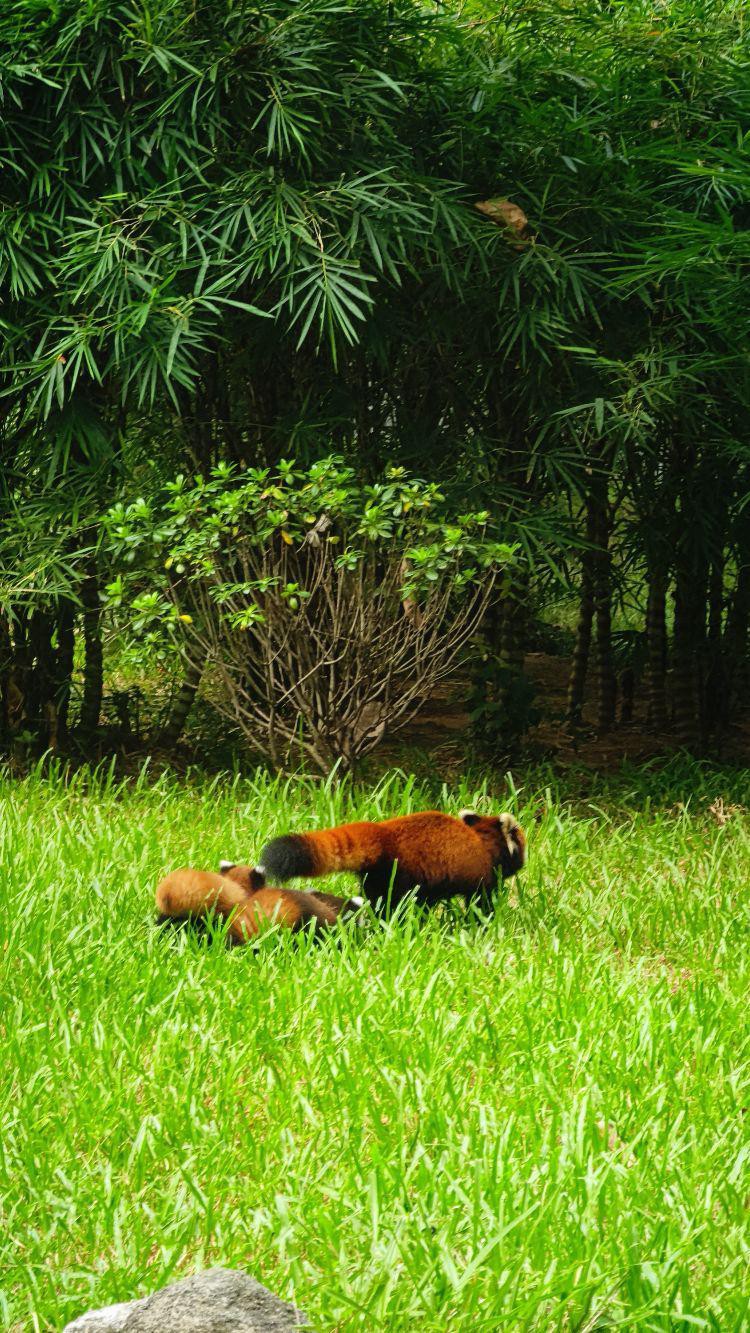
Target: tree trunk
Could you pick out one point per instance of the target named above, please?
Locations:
(64, 667)
(21, 672)
(736, 634)
(6, 680)
(691, 566)
(687, 642)
(715, 601)
(716, 690)
(40, 707)
(180, 709)
(581, 652)
(605, 675)
(93, 668)
(656, 644)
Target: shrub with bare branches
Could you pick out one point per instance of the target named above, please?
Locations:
(329, 608)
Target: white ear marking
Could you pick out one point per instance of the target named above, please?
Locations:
(465, 814)
(226, 865)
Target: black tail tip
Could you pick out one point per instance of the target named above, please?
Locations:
(286, 858)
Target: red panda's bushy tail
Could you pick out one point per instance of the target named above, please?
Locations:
(325, 851)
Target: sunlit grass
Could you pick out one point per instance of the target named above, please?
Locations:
(541, 1121)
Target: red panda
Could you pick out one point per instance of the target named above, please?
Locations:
(251, 878)
(240, 895)
(434, 853)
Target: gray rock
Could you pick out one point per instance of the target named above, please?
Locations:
(111, 1319)
(218, 1301)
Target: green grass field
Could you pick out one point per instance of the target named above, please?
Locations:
(540, 1121)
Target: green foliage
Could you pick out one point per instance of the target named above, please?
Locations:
(203, 529)
(236, 232)
(535, 1121)
(167, 168)
(501, 708)
(341, 602)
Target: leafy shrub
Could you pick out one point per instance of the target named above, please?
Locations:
(329, 607)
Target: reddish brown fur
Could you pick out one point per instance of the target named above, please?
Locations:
(436, 852)
(326, 906)
(241, 896)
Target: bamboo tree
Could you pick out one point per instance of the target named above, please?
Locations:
(64, 660)
(605, 674)
(656, 647)
(716, 683)
(736, 631)
(180, 707)
(581, 651)
(93, 668)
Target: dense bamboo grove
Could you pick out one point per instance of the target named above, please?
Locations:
(237, 232)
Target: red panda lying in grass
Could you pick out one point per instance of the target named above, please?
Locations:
(240, 895)
(436, 854)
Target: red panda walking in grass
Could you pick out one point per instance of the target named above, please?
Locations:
(240, 895)
(434, 853)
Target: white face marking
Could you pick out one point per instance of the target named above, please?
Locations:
(508, 825)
